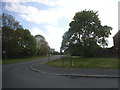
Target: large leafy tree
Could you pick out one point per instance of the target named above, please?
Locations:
(16, 41)
(26, 43)
(42, 45)
(9, 25)
(7, 37)
(86, 34)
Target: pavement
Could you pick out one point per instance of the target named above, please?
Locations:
(85, 72)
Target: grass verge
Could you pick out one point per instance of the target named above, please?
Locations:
(80, 62)
(10, 61)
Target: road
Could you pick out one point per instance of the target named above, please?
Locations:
(19, 75)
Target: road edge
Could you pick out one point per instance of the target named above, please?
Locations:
(74, 75)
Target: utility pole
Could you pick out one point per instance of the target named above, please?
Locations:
(48, 53)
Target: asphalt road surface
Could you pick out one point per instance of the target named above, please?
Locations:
(19, 75)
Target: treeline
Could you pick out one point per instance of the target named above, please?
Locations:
(18, 42)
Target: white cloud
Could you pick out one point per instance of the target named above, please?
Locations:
(65, 8)
(32, 14)
(36, 31)
(55, 36)
(46, 2)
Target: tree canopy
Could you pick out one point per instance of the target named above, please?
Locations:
(17, 41)
(42, 45)
(9, 21)
(86, 34)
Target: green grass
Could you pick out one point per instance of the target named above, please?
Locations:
(0, 62)
(10, 61)
(80, 62)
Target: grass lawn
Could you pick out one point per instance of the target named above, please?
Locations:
(80, 62)
(10, 61)
(0, 62)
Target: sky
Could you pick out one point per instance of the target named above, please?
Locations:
(51, 18)
(119, 16)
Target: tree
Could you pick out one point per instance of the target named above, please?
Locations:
(86, 34)
(9, 24)
(42, 45)
(16, 41)
(9, 20)
(26, 43)
(7, 36)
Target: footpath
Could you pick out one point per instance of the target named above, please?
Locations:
(91, 73)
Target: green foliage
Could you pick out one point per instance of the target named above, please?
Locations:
(42, 45)
(9, 21)
(85, 35)
(18, 42)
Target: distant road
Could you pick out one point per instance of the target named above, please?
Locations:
(19, 75)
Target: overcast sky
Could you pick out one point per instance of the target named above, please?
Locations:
(51, 18)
